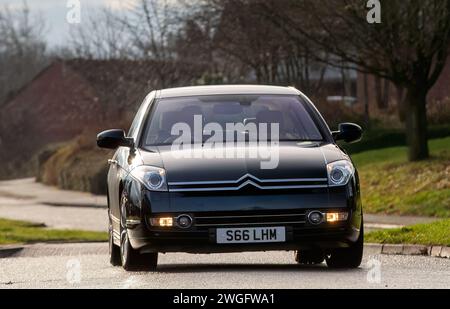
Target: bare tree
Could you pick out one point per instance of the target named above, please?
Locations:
(409, 48)
(152, 26)
(241, 34)
(22, 49)
(196, 44)
(145, 31)
(103, 37)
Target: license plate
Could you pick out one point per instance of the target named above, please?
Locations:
(250, 235)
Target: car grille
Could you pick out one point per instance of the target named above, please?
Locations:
(248, 181)
(204, 220)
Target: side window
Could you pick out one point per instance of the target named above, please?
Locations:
(132, 132)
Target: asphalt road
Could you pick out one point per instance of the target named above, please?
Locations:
(86, 266)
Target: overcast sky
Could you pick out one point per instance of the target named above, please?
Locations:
(54, 13)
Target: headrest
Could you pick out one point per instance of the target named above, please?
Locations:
(168, 119)
(270, 117)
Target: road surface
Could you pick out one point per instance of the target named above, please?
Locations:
(86, 266)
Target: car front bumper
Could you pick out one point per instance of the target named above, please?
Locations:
(249, 209)
(299, 236)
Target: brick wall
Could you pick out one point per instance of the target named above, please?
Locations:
(56, 106)
(439, 92)
(441, 89)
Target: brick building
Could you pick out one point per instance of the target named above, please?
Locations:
(69, 97)
(383, 93)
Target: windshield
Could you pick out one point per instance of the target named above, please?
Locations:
(231, 117)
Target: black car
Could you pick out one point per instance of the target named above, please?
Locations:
(207, 193)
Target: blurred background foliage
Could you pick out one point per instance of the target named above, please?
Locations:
(354, 72)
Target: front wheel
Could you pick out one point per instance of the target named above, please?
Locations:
(132, 259)
(348, 257)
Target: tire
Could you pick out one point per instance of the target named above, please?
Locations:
(309, 257)
(130, 258)
(348, 257)
(114, 250)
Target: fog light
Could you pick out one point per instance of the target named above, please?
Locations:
(315, 217)
(184, 221)
(336, 216)
(163, 222)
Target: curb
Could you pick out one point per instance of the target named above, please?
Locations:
(10, 250)
(401, 249)
(80, 205)
(53, 249)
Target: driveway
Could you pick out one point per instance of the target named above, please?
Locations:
(27, 200)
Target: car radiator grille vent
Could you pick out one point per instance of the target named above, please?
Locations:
(294, 219)
(249, 181)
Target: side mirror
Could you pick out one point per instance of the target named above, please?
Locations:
(348, 132)
(114, 138)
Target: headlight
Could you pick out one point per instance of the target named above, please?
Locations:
(153, 178)
(339, 172)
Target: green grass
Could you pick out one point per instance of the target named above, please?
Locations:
(379, 137)
(392, 185)
(398, 154)
(12, 232)
(436, 233)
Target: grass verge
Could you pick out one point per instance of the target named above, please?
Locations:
(436, 233)
(392, 185)
(378, 138)
(13, 232)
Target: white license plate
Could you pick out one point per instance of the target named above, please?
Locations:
(251, 235)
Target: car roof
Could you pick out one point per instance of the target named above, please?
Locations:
(226, 89)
